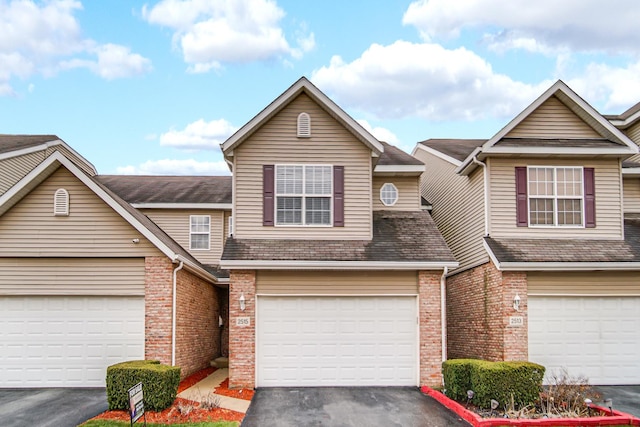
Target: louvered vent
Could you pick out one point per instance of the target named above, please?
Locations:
(304, 125)
(61, 202)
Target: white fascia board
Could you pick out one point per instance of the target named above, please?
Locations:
(468, 166)
(335, 265)
(535, 150)
(631, 171)
(74, 152)
(569, 266)
(418, 169)
(23, 151)
(301, 85)
(627, 122)
(219, 206)
(437, 154)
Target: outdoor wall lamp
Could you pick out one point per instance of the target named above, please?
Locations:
(242, 300)
(516, 302)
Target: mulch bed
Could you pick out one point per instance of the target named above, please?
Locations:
(184, 410)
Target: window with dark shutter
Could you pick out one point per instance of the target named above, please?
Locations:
(521, 197)
(338, 196)
(589, 198)
(267, 194)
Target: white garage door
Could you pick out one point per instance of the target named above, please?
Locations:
(598, 337)
(67, 341)
(337, 341)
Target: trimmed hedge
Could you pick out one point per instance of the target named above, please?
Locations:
(159, 384)
(493, 380)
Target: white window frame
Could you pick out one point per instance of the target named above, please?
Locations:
(555, 197)
(382, 190)
(303, 128)
(61, 202)
(303, 196)
(199, 233)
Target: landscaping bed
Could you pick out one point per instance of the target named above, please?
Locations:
(187, 411)
(601, 416)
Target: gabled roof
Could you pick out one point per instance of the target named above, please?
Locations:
(455, 150)
(620, 145)
(395, 161)
(136, 219)
(401, 240)
(302, 86)
(568, 254)
(171, 191)
(18, 145)
(625, 119)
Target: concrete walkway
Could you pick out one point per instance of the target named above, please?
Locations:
(202, 391)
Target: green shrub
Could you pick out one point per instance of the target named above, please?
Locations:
(501, 381)
(159, 384)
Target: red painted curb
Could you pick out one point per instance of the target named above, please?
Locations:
(618, 418)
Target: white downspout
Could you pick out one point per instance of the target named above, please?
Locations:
(486, 194)
(443, 312)
(173, 313)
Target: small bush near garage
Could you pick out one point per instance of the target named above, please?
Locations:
(517, 383)
(159, 382)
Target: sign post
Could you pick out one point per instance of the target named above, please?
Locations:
(136, 404)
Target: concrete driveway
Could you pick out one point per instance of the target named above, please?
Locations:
(347, 406)
(626, 398)
(50, 407)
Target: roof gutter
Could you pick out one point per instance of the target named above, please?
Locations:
(486, 194)
(335, 265)
(466, 167)
(568, 266)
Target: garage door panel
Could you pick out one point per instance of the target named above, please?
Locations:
(313, 341)
(63, 341)
(598, 337)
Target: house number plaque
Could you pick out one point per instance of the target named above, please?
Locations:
(516, 321)
(243, 321)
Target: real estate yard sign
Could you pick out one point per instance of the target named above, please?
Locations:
(136, 403)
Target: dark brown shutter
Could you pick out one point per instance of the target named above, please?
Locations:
(338, 196)
(589, 198)
(267, 194)
(521, 197)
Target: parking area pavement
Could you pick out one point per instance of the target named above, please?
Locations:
(50, 407)
(346, 407)
(626, 398)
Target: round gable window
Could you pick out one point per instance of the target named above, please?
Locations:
(389, 194)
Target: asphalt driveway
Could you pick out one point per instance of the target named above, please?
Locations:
(50, 407)
(347, 406)
(626, 398)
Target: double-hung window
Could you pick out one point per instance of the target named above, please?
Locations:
(303, 194)
(199, 232)
(556, 196)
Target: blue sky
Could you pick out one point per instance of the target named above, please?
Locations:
(154, 87)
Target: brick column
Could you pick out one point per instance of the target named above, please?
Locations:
(430, 328)
(516, 339)
(158, 287)
(242, 339)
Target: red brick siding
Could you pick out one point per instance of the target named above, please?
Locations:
(197, 330)
(430, 328)
(158, 284)
(242, 340)
(479, 304)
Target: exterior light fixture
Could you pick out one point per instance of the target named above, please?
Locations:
(516, 302)
(242, 300)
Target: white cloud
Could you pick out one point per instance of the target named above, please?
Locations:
(539, 26)
(175, 167)
(46, 38)
(382, 134)
(199, 135)
(211, 34)
(424, 80)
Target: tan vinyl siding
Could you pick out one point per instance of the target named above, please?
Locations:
(584, 283)
(633, 132)
(227, 215)
(14, 169)
(631, 187)
(458, 207)
(503, 200)
(75, 159)
(92, 228)
(408, 193)
(175, 222)
(276, 143)
(336, 282)
(72, 276)
(553, 119)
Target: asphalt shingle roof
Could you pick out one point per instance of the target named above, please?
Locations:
(458, 149)
(571, 250)
(169, 189)
(392, 155)
(398, 236)
(557, 142)
(10, 143)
